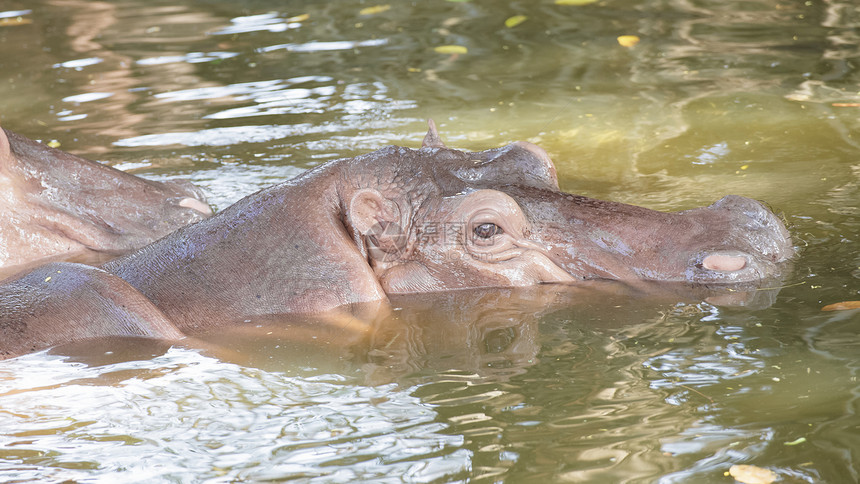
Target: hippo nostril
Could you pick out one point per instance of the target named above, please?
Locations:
(724, 263)
(195, 204)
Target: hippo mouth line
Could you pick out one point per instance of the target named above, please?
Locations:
(721, 267)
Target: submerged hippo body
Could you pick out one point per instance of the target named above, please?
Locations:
(57, 205)
(399, 221)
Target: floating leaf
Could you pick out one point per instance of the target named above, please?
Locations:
(53, 143)
(574, 2)
(841, 306)
(628, 40)
(8, 22)
(451, 49)
(515, 20)
(374, 10)
(796, 441)
(299, 18)
(752, 474)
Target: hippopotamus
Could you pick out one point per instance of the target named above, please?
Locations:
(396, 221)
(54, 205)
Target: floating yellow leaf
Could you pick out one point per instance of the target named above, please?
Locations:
(841, 306)
(515, 20)
(451, 49)
(574, 2)
(374, 10)
(8, 22)
(299, 18)
(752, 474)
(797, 441)
(53, 143)
(628, 40)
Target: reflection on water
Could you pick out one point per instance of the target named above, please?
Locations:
(182, 416)
(754, 97)
(572, 383)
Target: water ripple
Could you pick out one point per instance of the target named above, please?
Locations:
(216, 136)
(269, 22)
(191, 58)
(325, 46)
(183, 416)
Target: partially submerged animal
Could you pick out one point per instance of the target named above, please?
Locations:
(395, 221)
(56, 205)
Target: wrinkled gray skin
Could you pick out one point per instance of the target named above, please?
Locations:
(56, 205)
(399, 221)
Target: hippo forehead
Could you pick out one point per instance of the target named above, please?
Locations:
(520, 163)
(448, 171)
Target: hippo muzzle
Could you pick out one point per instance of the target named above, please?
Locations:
(757, 245)
(734, 240)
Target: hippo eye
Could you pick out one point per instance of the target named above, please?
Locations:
(487, 230)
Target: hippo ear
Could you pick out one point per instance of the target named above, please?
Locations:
(432, 139)
(5, 150)
(375, 221)
(368, 209)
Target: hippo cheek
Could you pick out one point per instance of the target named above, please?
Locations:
(513, 260)
(533, 267)
(409, 278)
(459, 268)
(519, 268)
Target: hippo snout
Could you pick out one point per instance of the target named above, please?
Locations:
(756, 244)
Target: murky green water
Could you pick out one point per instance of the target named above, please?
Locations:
(756, 97)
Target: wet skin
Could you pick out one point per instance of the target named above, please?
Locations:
(396, 221)
(54, 205)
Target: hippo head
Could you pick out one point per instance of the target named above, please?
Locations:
(437, 219)
(55, 204)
